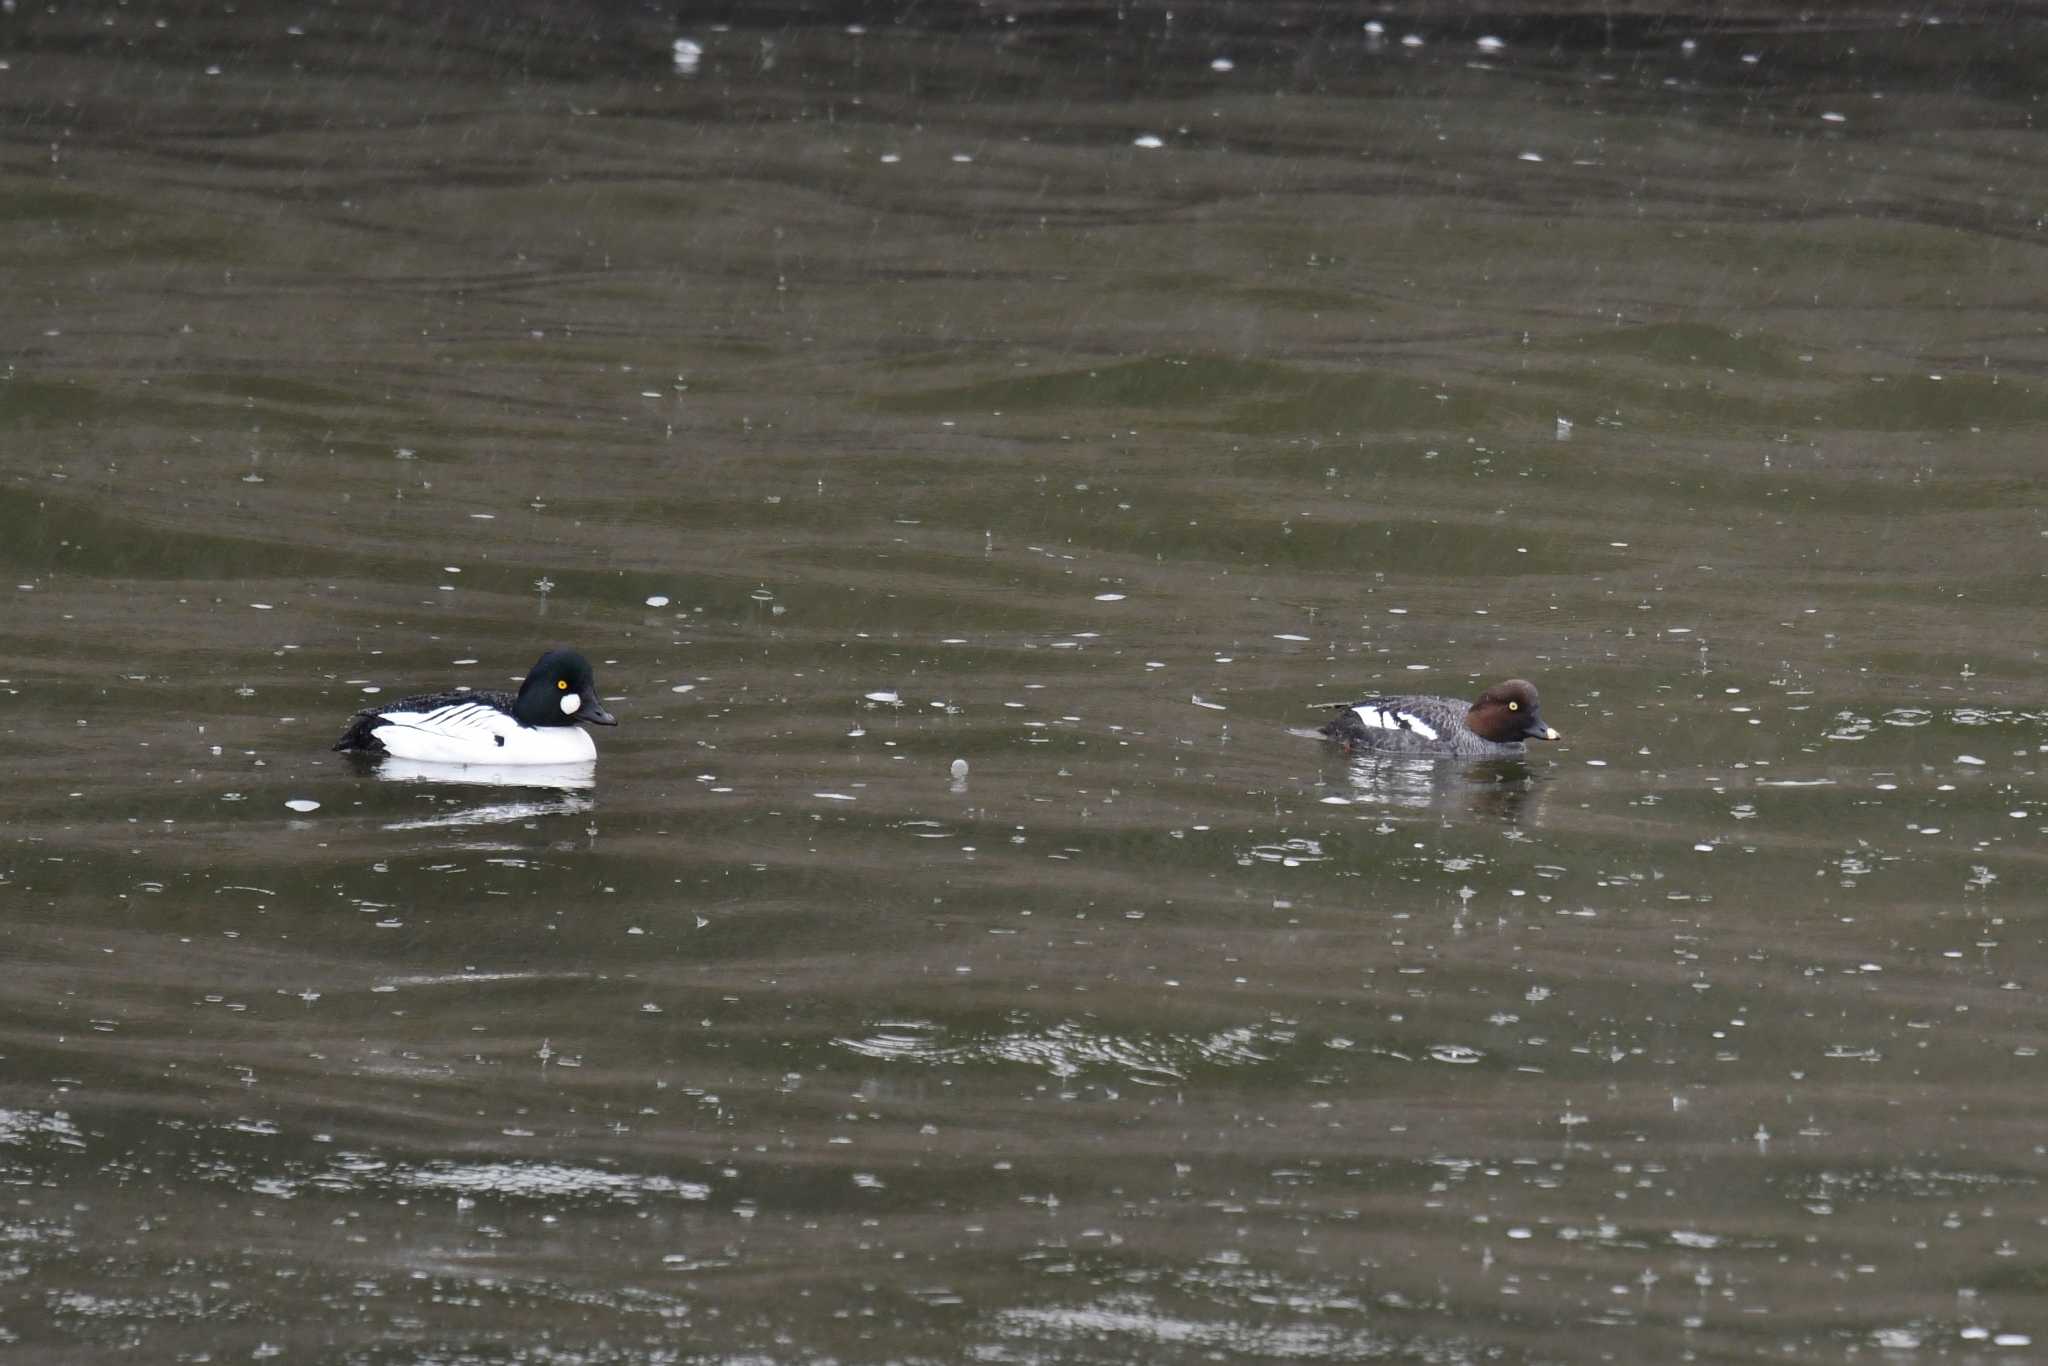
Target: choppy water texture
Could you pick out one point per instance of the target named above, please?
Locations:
(1084, 393)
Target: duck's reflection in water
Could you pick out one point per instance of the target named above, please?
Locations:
(568, 789)
(1505, 791)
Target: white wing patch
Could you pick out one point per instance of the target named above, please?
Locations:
(1392, 718)
(454, 718)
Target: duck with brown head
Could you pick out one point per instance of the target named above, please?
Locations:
(1494, 725)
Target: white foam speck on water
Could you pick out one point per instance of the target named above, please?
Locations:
(959, 769)
(303, 804)
(1704, 848)
(834, 796)
(890, 158)
(1212, 706)
(1289, 636)
(1222, 64)
(1596, 763)
(1491, 44)
(261, 606)
(1530, 156)
(483, 516)
(1109, 597)
(684, 687)
(1969, 759)
(1832, 117)
(1148, 141)
(657, 600)
(886, 698)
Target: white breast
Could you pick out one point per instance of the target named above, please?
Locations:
(1393, 718)
(473, 733)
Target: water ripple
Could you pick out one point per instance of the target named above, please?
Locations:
(20, 1126)
(1067, 1049)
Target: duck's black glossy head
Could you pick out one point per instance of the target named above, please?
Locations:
(560, 691)
(1507, 713)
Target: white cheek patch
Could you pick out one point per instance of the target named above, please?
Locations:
(571, 703)
(1390, 718)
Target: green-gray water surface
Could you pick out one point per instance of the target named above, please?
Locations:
(1086, 393)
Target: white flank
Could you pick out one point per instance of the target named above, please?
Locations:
(1390, 718)
(472, 733)
(561, 777)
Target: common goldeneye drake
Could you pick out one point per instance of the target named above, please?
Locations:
(1492, 727)
(535, 726)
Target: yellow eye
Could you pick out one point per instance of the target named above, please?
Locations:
(1514, 706)
(562, 684)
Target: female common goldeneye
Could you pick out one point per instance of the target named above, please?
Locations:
(1492, 727)
(537, 726)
